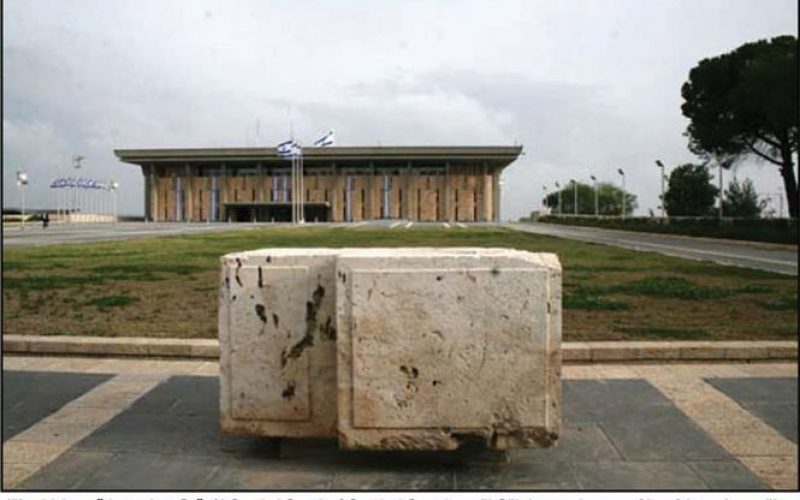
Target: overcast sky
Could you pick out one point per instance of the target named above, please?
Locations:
(585, 86)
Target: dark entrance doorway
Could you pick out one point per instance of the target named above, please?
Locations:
(275, 212)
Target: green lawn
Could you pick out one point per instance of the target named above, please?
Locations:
(167, 286)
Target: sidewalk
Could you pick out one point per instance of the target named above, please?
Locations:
(152, 424)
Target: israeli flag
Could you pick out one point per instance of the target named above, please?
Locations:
(288, 149)
(325, 140)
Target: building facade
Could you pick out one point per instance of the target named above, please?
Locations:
(342, 184)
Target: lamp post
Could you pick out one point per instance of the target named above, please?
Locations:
(661, 166)
(22, 181)
(113, 188)
(596, 205)
(558, 187)
(622, 173)
(76, 160)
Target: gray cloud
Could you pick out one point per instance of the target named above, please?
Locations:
(585, 87)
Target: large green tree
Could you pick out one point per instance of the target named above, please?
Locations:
(690, 192)
(609, 200)
(741, 200)
(745, 103)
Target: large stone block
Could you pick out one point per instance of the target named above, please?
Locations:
(277, 332)
(436, 347)
(434, 344)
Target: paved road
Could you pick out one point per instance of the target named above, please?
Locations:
(154, 424)
(776, 258)
(34, 235)
(88, 233)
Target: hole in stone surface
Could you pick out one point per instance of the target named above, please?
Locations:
(261, 312)
(288, 393)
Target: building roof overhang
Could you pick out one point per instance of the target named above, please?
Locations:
(495, 156)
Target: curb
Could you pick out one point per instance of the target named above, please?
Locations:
(572, 352)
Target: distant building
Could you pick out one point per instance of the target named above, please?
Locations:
(452, 183)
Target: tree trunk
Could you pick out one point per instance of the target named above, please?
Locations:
(789, 180)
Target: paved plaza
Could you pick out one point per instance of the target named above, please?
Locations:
(105, 423)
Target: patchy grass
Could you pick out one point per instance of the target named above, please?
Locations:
(588, 302)
(786, 302)
(167, 286)
(105, 303)
(670, 287)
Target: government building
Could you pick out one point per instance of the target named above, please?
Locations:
(341, 184)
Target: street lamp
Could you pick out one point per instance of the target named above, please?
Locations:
(113, 188)
(622, 173)
(76, 160)
(558, 187)
(596, 206)
(575, 196)
(22, 181)
(661, 166)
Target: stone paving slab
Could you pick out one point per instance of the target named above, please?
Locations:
(179, 445)
(29, 396)
(154, 446)
(773, 400)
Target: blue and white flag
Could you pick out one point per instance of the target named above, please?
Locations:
(288, 149)
(325, 140)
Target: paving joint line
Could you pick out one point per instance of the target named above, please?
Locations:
(32, 449)
(683, 391)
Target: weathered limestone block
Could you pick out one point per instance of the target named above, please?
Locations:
(496, 377)
(277, 332)
(435, 347)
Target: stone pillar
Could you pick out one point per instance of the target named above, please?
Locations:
(261, 183)
(496, 196)
(223, 194)
(447, 215)
(189, 200)
(146, 193)
(154, 216)
(371, 193)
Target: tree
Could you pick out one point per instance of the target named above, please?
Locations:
(741, 200)
(690, 191)
(745, 103)
(609, 200)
